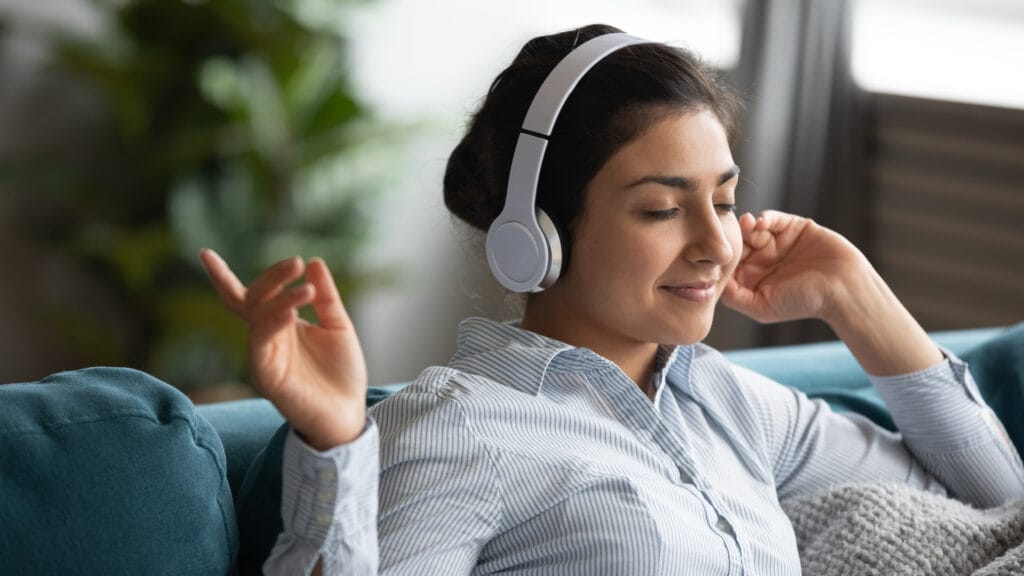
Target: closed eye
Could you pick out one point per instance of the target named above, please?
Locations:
(662, 214)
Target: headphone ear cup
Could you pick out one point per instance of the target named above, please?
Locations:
(517, 244)
(557, 245)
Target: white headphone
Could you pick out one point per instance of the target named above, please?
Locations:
(524, 249)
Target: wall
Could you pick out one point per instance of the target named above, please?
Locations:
(423, 63)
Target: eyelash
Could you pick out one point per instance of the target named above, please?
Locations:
(671, 212)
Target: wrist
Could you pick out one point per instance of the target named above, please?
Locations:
(334, 429)
(879, 331)
(856, 298)
(857, 293)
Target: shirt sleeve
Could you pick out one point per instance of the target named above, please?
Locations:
(949, 439)
(950, 429)
(329, 508)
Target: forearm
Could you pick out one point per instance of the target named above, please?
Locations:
(934, 401)
(878, 329)
(946, 424)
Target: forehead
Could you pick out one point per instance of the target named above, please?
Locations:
(692, 144)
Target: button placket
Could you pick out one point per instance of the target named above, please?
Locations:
(723, 525)
(635, 410)
(327, 478)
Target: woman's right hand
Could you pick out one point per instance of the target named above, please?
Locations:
(314, 374)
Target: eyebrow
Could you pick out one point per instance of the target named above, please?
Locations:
(684, 183)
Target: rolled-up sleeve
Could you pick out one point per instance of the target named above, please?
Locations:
(329, 508)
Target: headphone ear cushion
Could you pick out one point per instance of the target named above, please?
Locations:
(558, 246)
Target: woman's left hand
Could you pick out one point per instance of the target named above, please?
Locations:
(792, 268)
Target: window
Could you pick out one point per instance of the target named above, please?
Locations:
(959, 50)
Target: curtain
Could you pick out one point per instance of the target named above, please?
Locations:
(801, 142)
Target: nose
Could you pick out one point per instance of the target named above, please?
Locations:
(707, 241)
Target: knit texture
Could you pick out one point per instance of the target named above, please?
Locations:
(884, 529)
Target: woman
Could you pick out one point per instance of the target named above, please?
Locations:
(597, 436)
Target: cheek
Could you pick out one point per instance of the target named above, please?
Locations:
(613, 256)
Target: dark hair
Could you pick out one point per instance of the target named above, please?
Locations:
(615, 102)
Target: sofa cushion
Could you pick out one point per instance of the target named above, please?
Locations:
(998, 367)
(110, 471)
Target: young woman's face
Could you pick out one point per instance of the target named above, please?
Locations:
(658, 238)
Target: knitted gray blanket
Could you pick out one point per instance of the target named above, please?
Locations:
(886, 529)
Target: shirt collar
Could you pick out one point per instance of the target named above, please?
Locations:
(678, 372)
(521, 359)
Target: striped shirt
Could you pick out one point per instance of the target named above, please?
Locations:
(529, 456)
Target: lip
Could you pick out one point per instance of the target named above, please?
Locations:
(702, 292)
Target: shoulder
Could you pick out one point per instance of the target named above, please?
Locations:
(702, 353)
(708, 361)
(434, 388)
(439, 384)
(711, 373)
(436, 412)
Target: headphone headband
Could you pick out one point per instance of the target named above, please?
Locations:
(523, 248)
(563, 78)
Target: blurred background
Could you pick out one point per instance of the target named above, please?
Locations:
(134, 132)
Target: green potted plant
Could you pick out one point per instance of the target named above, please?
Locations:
(230, 124)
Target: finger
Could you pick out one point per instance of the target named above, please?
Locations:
(327, 304)
(747, 223)
(741, 299)
(734, 294)
(292, 298)
(273, 280)
(228, 287)
(769, 226)
(772, 219)
(265, 345)
(270, 326)
(778, 222)
(759, 236)
(274, 318)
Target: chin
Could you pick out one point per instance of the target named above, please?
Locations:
(687, 336)
(693, 332)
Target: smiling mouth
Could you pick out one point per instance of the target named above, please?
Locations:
(700, 292)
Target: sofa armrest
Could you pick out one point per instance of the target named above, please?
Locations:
(110, 471)
(244, 427)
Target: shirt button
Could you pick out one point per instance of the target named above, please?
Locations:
(326, 475)
(724, 526)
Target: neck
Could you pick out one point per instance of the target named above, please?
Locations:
(635, 358)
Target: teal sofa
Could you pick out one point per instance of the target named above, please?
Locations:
(110, 471)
